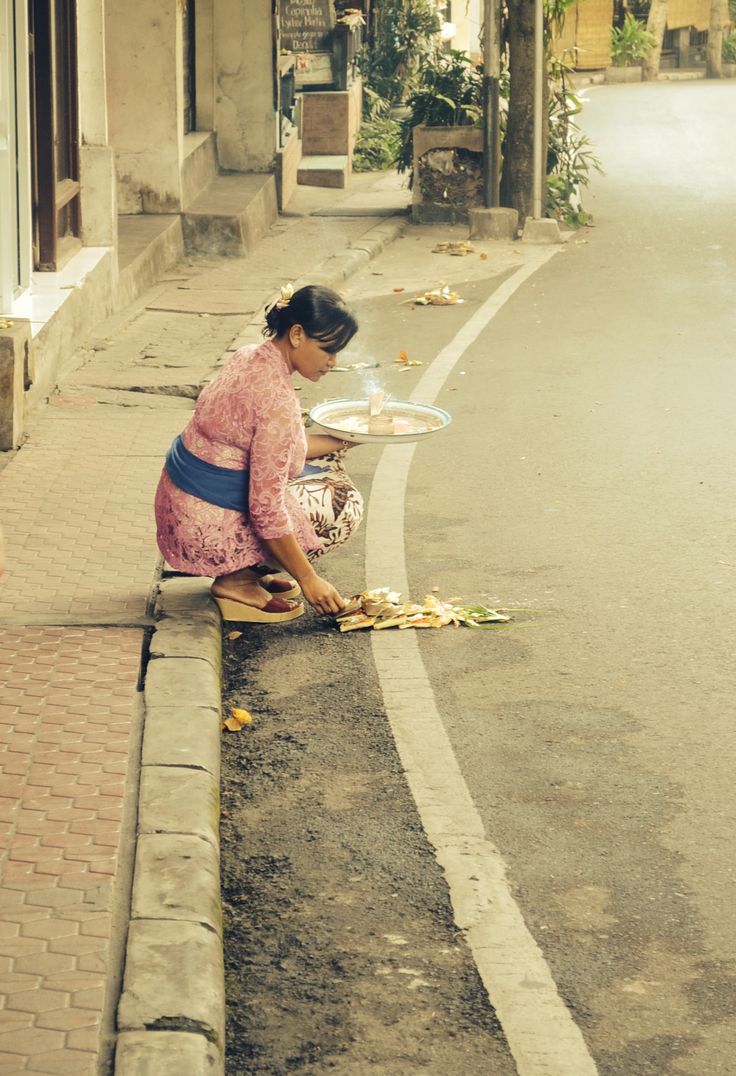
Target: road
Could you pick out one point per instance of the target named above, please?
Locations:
(587, 484)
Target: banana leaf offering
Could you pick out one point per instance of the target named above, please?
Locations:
(383, 608)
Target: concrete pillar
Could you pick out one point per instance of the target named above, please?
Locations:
(493, 223)
(15, 349)
(682, 46)
(205, 69)
(245, 119)
(145, 97)
(96, 162)
(541, 230)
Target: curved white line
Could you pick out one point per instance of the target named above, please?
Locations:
(542, 1036)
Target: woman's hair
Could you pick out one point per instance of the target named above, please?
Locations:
(320, 312)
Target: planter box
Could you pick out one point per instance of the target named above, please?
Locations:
(448, 166)
(728, 70)
(623, 74)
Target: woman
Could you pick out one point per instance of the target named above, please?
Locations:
(235, 497)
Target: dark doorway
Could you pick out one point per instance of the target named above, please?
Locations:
(54, 131)
(190, 85)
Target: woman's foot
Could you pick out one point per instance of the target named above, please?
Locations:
(250, 603)
(264, 574)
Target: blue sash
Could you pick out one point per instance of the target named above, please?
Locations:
(223, 486)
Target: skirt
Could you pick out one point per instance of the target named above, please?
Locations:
(327, 495)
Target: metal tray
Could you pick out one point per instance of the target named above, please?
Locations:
(332, 415)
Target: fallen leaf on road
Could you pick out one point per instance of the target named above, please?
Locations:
(234, 634)
(399, 289)
(484, 257)
(237, 720)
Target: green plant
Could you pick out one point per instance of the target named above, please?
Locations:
(379, 138)
(570, 157)
(449, 94)
(630, 42)
(729, 48)
(405, 34)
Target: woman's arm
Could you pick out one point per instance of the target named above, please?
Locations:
(319, 444)
(320, 594)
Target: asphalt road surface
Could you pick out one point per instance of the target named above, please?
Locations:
(587, 484)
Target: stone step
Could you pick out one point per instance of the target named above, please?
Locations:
(324, 171)
(148, 243)
(230, 214)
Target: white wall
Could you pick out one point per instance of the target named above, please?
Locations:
(96, 163)
(244, 114)
(145, 102)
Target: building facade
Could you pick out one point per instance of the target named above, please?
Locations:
(116, 116)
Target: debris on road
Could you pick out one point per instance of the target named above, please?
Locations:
(404, 361)
(383, 608)
(356, 366)
(457, 248)
(441, 296)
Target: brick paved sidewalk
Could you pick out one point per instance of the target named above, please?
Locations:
(74, 606)
(67, 721)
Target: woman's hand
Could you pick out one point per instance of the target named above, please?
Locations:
(321, 444)
(321, 595)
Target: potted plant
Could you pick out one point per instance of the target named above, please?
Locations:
(728, 69)
(630, 43)
(441, 138)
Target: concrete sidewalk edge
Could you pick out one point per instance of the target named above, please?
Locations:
(171, 1012)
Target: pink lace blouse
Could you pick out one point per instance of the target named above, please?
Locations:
(248, 416)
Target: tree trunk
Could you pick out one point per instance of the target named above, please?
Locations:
(518, 150)
(718, 21)
(656, 23)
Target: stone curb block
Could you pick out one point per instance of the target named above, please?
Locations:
(169, 680)
(175, 800)
(187, 637)
(341, 266)
(182, 735)
(165, 1053)
(177, 877)
(187, 597)
(174, 980)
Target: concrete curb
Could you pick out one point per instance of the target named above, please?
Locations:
(335, 270)
(171, 1013)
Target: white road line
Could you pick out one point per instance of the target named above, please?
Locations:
(542, 1036)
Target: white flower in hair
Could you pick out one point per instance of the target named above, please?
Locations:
(287, 292)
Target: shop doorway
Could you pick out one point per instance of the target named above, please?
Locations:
(54, 132)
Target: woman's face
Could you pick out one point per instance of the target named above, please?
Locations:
(307, 356)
